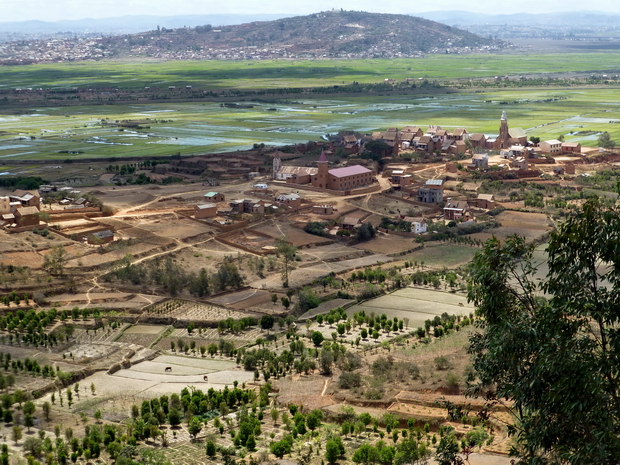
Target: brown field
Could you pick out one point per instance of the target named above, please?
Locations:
(295, 236)
(530, 225)
(181, 228)
(388, 244)
(30, 259)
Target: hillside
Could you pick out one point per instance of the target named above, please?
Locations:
(350, 34)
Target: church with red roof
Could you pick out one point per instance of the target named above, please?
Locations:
(349, 177)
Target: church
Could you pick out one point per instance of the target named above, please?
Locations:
(340, 179)
(509, 136)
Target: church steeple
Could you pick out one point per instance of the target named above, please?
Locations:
(504, 137)
(277, 164)
(321, 176)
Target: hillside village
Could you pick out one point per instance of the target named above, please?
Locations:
(328, 276)
(412, 164)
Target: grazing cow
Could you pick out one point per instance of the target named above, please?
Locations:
(168, 369)
(205, 378)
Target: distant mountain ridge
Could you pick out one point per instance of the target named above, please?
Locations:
(564, 18)
(131, 24)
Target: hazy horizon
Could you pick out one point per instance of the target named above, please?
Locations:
(43, 10)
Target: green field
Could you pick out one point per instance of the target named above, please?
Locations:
(579, 113)
(194, 128)
(297, 73)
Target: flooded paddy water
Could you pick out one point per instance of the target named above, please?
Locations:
(208, 127)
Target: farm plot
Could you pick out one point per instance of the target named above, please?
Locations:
(251, 241)
(29, 259)
(187, 310)
(91, 350)
(213, 335)
(530, 225)
(176, 229)
(143, 335)
(386, 244)
(295, 236)
(415, 304)
(149, 379)
(330, 252)
(205, 364)
(305, 275)
(442, 255)
(257, 300)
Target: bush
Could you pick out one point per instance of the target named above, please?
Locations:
(282, 447)
(381, 366)
(452, 381)
(496, 211)
(349, 380)
(441, 363)
(317, 228)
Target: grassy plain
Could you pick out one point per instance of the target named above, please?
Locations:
(211, 75)
(579, 113)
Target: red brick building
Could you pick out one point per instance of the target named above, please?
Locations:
(346, 178)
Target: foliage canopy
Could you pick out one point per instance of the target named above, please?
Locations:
(555, 357)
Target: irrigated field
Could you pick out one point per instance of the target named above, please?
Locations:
(67, 133)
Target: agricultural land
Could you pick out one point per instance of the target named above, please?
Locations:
(134, 331)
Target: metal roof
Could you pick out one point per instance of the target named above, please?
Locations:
(349, 171)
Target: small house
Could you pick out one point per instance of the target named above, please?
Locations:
(206, 210)
(26, 198)
(478, 140)
(27, 216)
(519, 163)
(5, 205)
(290, 200)
(213, 197)
(571, 147)
(418, 225)
(486, 201)
(550, 146)
(480, 161)
(322, 209)
(100, 237)
(350, 223)
(455, 210)
(431, 192)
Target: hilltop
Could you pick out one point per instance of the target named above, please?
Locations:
(350, 34)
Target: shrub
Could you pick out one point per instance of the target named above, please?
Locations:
(381, 366)
(441, 363)
(349, 380)
(317, 228)
(452, 381)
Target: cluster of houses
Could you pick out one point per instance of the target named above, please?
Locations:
(215, 205)
(434, 139)
(20, 208)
